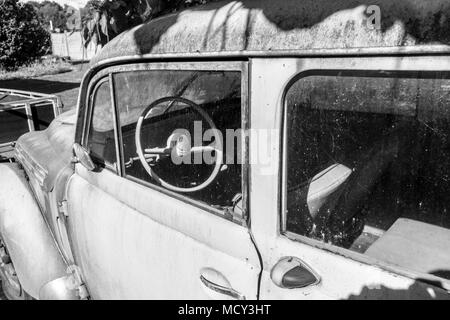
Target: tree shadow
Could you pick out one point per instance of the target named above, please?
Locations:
(251, 25)
(441, 273)
(38, 85)
(426, 21)
(422, 289)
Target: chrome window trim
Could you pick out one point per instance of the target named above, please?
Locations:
(100, 80)
(282, 176)
(93, 86)
(144, 66)
(245, 141)
(120, 169)
(239, 66)
(433, 49)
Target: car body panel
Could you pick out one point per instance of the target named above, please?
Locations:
(51, 148)
(343, 275)
(46, 158)
(31, 246)
(133, 242)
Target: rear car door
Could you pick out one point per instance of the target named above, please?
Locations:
(135, 230)
(353, 203)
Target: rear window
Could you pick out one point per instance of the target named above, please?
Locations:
(368, 165)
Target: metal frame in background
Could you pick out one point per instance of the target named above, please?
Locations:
(32, 99)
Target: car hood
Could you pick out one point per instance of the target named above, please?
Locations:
(45, 153)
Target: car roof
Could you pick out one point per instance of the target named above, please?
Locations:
(258, 27)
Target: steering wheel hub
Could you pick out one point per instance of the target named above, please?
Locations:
(179, 145)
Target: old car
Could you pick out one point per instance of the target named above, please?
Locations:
(21, 112)
(244, 150)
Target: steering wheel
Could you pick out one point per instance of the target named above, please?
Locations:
(178, 145)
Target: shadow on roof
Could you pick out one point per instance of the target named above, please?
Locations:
(308, 23)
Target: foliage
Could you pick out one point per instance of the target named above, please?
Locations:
(23, 38)
(105, 19)
(73, 18)
(51, 11)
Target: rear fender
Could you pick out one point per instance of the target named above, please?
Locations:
(32, 248)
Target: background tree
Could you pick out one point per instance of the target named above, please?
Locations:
(23, 38)
(51, 11)
(73, 18)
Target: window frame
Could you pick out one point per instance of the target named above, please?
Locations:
(282, 177)
(93, 89)
(234, 65)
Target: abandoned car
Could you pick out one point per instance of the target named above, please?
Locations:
(244, 150)
(21, 112)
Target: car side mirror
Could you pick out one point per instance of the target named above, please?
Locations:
(83, 157)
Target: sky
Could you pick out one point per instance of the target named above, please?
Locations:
(73, 3)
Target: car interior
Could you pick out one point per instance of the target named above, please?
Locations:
(216, 93)
(157, 129)
(372, 182)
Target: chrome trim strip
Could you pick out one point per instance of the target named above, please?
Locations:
(7, 144)
(91, 97)
(120, 162)
(406, 50)
(245, 145)
(31, 166)
(221, 289)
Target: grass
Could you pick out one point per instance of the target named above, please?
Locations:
(46, 66)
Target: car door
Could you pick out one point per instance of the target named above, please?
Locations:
(134, 238)
(349, 198)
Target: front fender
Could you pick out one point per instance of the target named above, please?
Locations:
(31, 246)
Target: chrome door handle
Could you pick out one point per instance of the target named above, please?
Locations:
(221, 289)
(292, 273)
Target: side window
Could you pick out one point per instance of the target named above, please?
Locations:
(101, 138)
(368, 165)
(181, 131)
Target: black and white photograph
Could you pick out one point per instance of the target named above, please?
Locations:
(224, 155)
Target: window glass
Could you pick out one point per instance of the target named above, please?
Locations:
(183, 137)
(101, 140)
(368, 165)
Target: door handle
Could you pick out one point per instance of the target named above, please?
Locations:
(221, 289)
(292, 273)
(224, 288)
